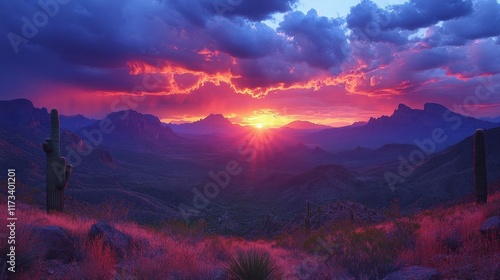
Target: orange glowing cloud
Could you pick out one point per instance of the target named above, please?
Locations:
(171, 74)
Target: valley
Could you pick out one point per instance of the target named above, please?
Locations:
(236, 178)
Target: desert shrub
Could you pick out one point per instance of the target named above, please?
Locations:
(366, 254)
(252, 265)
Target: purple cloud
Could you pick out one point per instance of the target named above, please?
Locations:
(483, 22)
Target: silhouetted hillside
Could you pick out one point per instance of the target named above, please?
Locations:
(404, 126)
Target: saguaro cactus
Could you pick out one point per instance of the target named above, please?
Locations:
(58, 172)
(307, 219)
(480, 181)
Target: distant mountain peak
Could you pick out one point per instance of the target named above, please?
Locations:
(21, 114)
(133, 120)
(215, 116)
(403, 111)
(216, 119)
(358, 124)
(403, 107)
(18, 104)
(213, 123)
(404, 115)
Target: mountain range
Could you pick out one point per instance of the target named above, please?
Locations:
(212, 124)
(404, 126)
(156, 167)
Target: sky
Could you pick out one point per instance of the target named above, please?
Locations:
(259, 61)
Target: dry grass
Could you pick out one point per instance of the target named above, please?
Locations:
(476, 257)
(337, 252)
(447, 239)
(163, 255)
(99, 262)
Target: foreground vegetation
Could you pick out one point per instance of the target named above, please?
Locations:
(447, 239)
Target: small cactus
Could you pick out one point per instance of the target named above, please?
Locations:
(307, 219)
(480, 181)
(58, 172)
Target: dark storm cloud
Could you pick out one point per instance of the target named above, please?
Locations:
(367, 20)
(423, 13)
(484, 22)
(244, 39)
(410, 16)
(90, 43)
(200, 12)
(269, 71)
(319, 41)
(257, 10)
(431, 58)
(305, 46)
(478, 59)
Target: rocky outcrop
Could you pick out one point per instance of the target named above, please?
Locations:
(56, 243)
(491, 227)
(116, 240)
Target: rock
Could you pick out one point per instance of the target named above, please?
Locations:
(491, 226)
(415, 273)
(111, 237)
(55, 242)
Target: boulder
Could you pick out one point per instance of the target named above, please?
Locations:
(116, 240)
(415, 273)
(491, 227)
(55, 242)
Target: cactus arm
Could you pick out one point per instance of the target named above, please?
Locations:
(65, 173)
(69, 169)
(47, 146)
